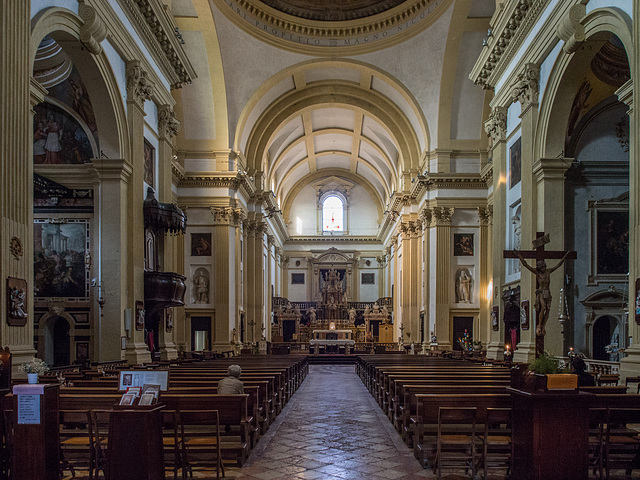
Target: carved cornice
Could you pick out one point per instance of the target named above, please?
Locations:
(527, 85)
(485, 214)
(93, 30)
(332, 239)
(157, 30)
(496, 125)
(570, 30)
(443, 215)
(139, 85)
(168, 123)
(202, 181)
(510, 28)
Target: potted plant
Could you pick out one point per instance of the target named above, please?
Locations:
(544, 374)
(477, 345)
(32, 368)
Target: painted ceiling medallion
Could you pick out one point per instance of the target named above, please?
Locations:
(343, 27)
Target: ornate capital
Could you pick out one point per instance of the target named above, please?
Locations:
(239, 216)
(527, 85)
(570, 30)
(168, 123)
(221, 214)
(405, 228)
(139, 86)
(496, 125)
(485, 214)
(93, 30)
(443, 215)
(426, 215)
(271, 240)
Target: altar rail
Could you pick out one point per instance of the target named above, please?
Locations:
(302, 306)
(601, 367)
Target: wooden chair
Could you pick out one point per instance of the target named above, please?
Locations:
(635, 380)
(200, 437)
(75, 443)
(497, 440)
(98, 436)
(608, 379)
(621, 444)
(456, 440)
(172, 441)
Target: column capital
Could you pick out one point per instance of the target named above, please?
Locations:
(570, 29)
(496, 125)
(426, 217)
(485, 214)
(139, 85)
(443, 215)
(168, 123)
(527, 85)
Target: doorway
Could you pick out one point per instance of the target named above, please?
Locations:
(461, 325)
(61, 343)
(603, 330)
(200, 334)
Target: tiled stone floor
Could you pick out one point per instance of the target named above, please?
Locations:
(331, 429)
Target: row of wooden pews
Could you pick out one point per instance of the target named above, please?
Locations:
(269, 382)
(414, 391)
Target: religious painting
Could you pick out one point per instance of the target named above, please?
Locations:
(524, 315)
(60, 249)
(149, 162)
(515, 163)
(368, 279)
(58, 139)
(612, 232)
(463, 244)
(82, 352)
(139, 315)
(16, 302)
(297, 279)
(200, 244)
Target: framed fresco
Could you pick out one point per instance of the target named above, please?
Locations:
(82, 352)
(612, 233)
(58, 138)
(60, 248)
(200, 244)
(297, 279)
(463, 244)
(515, 163)
(17, 302)
(149, 162)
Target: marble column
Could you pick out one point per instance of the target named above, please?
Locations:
(426, 217)
(112, 212)
(139, 89)
(16, 145)
(496, 128)
(486, 294)
(525, 91)
(225, 221)
(630, 365)
(549, 177)
(168, 127)
(395, 275)
(405, 281)
(444, 284)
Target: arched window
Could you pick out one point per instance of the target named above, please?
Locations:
(332, 214)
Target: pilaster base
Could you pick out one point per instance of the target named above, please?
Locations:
(495, 351)
(168, 351)
(630, 365)
(137, 353)
(525, 352)
(20, 355)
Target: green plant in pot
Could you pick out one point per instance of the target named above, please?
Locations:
(545, 373)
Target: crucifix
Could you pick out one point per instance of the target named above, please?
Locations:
(543, 279)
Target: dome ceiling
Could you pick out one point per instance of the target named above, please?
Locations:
(332, 10)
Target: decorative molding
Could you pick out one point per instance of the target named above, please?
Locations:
(93, 30)
(15, 247)
(485, 214)
(510, 28)
(168, 123)
(155, 26)
(332, 239)
(527, 86)
(139, 85)
(570, 30)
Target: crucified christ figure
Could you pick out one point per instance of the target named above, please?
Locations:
(543, 294)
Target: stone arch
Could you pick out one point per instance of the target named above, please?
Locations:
(597, 24)
(63, 25)
(45, 335)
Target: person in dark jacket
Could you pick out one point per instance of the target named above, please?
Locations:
(585, 379)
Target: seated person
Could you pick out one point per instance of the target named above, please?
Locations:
(231, 385)
(585, 379)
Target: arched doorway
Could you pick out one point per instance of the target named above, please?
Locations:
(603, 334)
